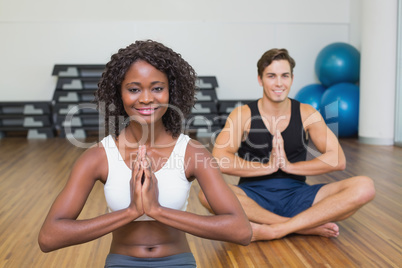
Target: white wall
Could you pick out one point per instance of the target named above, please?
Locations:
(398, 102)
(218, 37)
(378, 74)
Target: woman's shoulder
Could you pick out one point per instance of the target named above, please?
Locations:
(96, 150)
(94, 159)
(186, 144)
(194, 144)
(197, 152)
(95, 154)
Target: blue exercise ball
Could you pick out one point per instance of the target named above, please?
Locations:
(311, 94)
(338, 63)
(340, 109)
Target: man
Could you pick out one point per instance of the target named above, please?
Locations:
(265, 144)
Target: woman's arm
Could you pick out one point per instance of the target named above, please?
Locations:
(229, 222)
(61, 227)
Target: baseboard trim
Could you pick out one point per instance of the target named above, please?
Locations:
(376, 141)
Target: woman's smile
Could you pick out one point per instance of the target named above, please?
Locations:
(146, 110)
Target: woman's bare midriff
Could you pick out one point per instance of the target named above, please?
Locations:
(148, 239)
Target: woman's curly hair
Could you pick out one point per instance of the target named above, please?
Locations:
(181, 77)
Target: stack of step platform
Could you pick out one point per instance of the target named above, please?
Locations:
(29, 119)
(72, 113)
(204, 117)
(75, 113)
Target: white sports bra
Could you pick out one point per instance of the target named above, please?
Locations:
(174, 188)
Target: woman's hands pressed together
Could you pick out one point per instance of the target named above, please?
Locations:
(135, 189)
(144, 186)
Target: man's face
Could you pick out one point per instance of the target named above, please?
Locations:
(276, 80)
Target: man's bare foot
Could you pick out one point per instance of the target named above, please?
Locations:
(270, 232)
(262, 232)
(329, 229)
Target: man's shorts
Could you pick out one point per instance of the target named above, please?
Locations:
(282, 196)
(183, 260)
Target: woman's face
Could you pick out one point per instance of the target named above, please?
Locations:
(145, 93)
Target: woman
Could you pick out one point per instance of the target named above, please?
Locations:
(146, 166)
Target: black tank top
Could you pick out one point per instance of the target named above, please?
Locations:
(258, 144)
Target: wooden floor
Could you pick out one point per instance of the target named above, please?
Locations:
(32, 172)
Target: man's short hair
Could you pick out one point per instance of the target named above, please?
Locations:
(274, 54)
